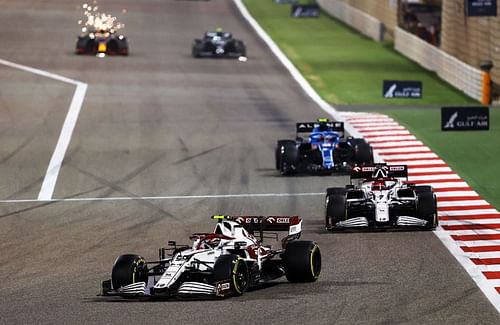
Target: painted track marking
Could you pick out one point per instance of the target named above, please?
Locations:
(52, 173)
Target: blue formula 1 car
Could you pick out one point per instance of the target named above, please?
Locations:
(218, 44)
(325, 150)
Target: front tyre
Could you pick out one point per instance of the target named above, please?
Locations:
(302, 261)
(233, 268)
(129, 269)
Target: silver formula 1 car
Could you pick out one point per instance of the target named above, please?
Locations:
(218, 44)
(382, 198)
(220, 264)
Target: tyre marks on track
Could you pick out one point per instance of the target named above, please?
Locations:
(469, 226)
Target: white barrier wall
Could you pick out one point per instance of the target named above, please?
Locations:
(364, 23)
(459, 74)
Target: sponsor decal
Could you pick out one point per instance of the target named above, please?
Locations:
(402, 89)
(478, 8)
(301, 11)
(465, 118)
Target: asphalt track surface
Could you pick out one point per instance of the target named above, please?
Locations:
(159, 123)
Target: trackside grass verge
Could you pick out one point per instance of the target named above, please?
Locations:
(347, 68)
(344, 66)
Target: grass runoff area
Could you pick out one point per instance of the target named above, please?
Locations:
(348, 68)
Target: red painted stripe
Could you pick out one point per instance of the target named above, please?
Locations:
(391, 153)
(476, 237)
(471, 217)
(492, 275)
(480, 249)
(426, 181)
(412, 159)
(474, 226)
(459, 198)
(449, 172)
(452, 189)
(465, 208)
(486, 261)
(497, 289)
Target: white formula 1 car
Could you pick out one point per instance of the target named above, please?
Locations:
(220, 264)
(382, 198)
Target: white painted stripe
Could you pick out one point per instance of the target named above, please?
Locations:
(469, 222)
(391, 138)
(376, 128)
(368, 125)
(408, 149)
(428, 169)
(173, 197)
(445, 185)
(39, 72)
(49, 182)
(461, 203)
(410, 156)
(395, 132)
(467, 212)
(490, 268)
(431, 178)
(483, 255)
(397, 144)
(475, 232)
(371, 120)
(456, 193)
(477, 243)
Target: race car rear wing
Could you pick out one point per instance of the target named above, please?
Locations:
(379, 171)
(291, 224)
(308, 127)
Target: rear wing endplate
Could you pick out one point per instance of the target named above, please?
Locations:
(379, 171)
(308, 127)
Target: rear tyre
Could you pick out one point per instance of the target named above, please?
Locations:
(363, 153)
(129, 269)
(335, 206)
(277, 151)
(289, 159)
(234, 269)
(427, 207)
(302, 261)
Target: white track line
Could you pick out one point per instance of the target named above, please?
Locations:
(172, 197)
(50, 179)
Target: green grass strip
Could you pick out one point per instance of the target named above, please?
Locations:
(344, 66)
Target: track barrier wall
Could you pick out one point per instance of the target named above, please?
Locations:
(359, 20)
(459, 74)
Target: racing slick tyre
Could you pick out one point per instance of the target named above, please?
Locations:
(129, 269)
(289, 159)
(240, 48)
(335, 206)
(302, 261)
(233, 268)
(427, 206)
(363, 153)
(197, 48)
(277, 151)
